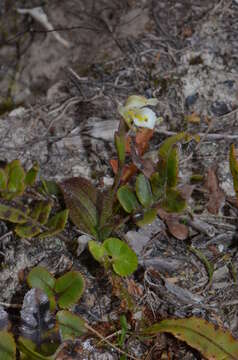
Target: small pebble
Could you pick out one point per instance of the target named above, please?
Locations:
(191, 99)
(221, 248)
(219, 108)
(229, 83)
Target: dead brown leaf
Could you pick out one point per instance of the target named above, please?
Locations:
(193, 118)
(178, 230)
(186, 191)
(216, 195)
(133, 288)
(143, 137)
(114, 165)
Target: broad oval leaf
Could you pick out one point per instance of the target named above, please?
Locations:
(124, 259)
(31, 175)
(173, 201)
(157, 181)
(234, 167)
(97, 250)
(178, 230)
(170, 142)
(69, 288)
(56, 224)
(70, 325)
(105, 210)
(27, 230)
(49, 187)
(143, 190)
(27, 347)
(13, 212)
(40, 214)
(16, 178)
(148, 218)
(127, 199)
(40, 278)
(212, 342)
(7, 346)
(81, 199)
(41, 211)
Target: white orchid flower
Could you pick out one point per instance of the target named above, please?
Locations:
(135, 112)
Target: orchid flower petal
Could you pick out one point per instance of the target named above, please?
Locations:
(124, 112)
(144, 117)
(137, 101)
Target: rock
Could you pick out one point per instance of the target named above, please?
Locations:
(35, 314)
(219, 108)
(18, 112)
(138, 239)
(82, 243)
(220, 274)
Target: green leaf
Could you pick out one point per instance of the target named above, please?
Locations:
(211, 341)
(71, 326)
(81, 199)
(105, 210)
(27, 347)
(40, 213)
(208, 265)
(27, 230)
(121, 148)
(143, 190)
(97, 250)
(31, 175)
(40, 278)
(56, 224)
(13, 212)
(172, 167)
(234, 167)
(158, 180)
(127, 198)
(120, 142)
(16, 177)
(69, 288)
(7, 346)
(148, 218)
(173, 201)
(167, 175)
(50, 187)
(124, 329)
(3, 180)
(124, 260)
(167, 145)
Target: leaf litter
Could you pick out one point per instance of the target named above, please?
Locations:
(186, 92)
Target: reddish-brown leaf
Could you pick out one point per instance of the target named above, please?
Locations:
(143, 137)
(146, 166)
(133, 288)
(186, 191)
(128, 172)
(216, 195)
(178, 230)
(128, 144)
(114, 165)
